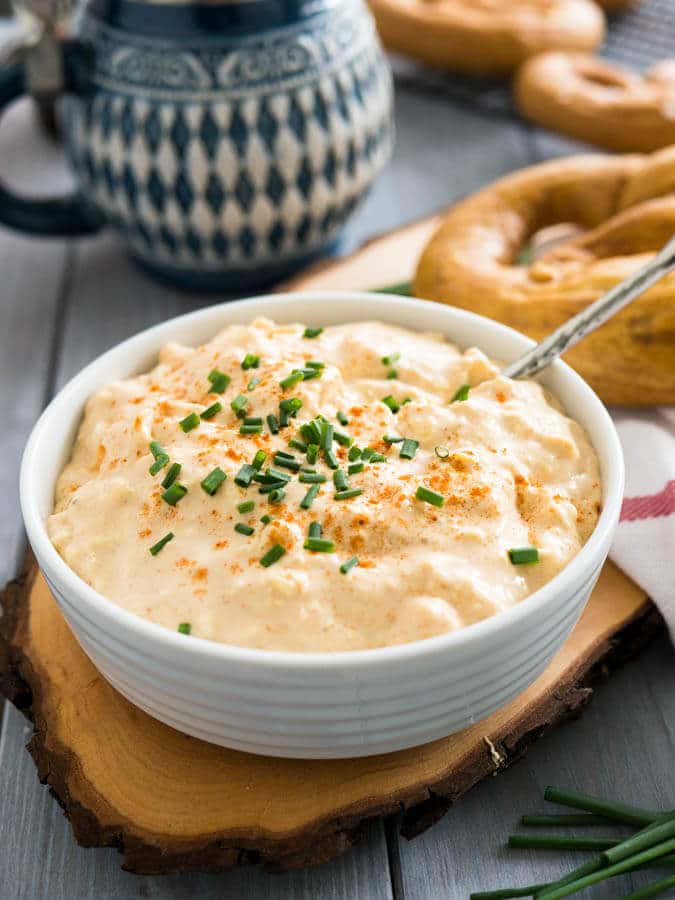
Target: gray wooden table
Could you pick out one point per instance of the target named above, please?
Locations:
(62, 304)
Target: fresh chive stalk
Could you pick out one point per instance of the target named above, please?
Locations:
(559, 842)
(557, 821)
(617, 812)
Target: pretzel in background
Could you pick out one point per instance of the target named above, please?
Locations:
(596, 101)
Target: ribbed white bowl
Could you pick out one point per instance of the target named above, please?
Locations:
(318, 705)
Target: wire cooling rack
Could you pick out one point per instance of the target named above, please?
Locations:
(636, 38)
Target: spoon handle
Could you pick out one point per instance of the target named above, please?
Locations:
(576, 328)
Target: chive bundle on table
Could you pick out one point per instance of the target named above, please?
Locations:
(653, 845)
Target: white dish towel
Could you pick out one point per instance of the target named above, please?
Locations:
(644, 546)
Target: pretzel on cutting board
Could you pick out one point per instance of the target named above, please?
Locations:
(623, 210)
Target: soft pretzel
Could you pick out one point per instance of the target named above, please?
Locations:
(486, 36)
(596, 101)
(625, 208)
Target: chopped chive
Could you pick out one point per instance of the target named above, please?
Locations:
(266, 519)
(246, 507)
(391, 359)
(292, 379)
(219, 381)
(245, 475)
(184, 628)
(310, 496)
(155, 549)
(309, 469)
(292, 464)
(428, 496)
(376, 457)
(315, 364)
(275, 475)
(160, 461)
(271, 487)
(391, 374)
(342, 439)
(441, 451)
(462, 393)
(211, 411)
(253, 383)
(354, 453)
(273, 424)
(253, 420)
(311, 432)
(355, 468)
(312, 478)
(174, 493)
(277, 495)
(331, 459)
(250, 361)
(392, 403)
(312, 332)
(213, 481)
(297, 445)
(250, 429)
(340, 480)
(312, 453)
(259, 459)
(171, 475)
(243, 528)
(349, 564)
(291, 405)
(284, 418)
(315, 530)
(284, 454)
(366, 453)
(157, 450)
(239, 404)
(521, 555)
(189, 422)
(392, 439)
(326, 441)
(309, 373)
(348, 494)
(319, 545)
(341, 417)
(409, 448)
(273, 555)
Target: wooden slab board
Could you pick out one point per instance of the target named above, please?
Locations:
(172, 803)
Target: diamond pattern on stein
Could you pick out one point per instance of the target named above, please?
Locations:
(239, 182)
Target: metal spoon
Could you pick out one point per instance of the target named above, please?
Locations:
(576, 328)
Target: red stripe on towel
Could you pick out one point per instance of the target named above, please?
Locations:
(651, 506)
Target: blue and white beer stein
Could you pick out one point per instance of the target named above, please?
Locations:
(227, 141)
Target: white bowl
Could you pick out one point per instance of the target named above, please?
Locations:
(318, 705)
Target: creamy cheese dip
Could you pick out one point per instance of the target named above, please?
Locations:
(511, 469)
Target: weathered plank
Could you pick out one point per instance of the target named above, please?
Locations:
(32, 283)
(622, 747)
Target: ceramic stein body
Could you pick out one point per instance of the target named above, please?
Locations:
(226, 142)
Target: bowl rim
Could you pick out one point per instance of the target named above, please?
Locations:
(87, 598)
